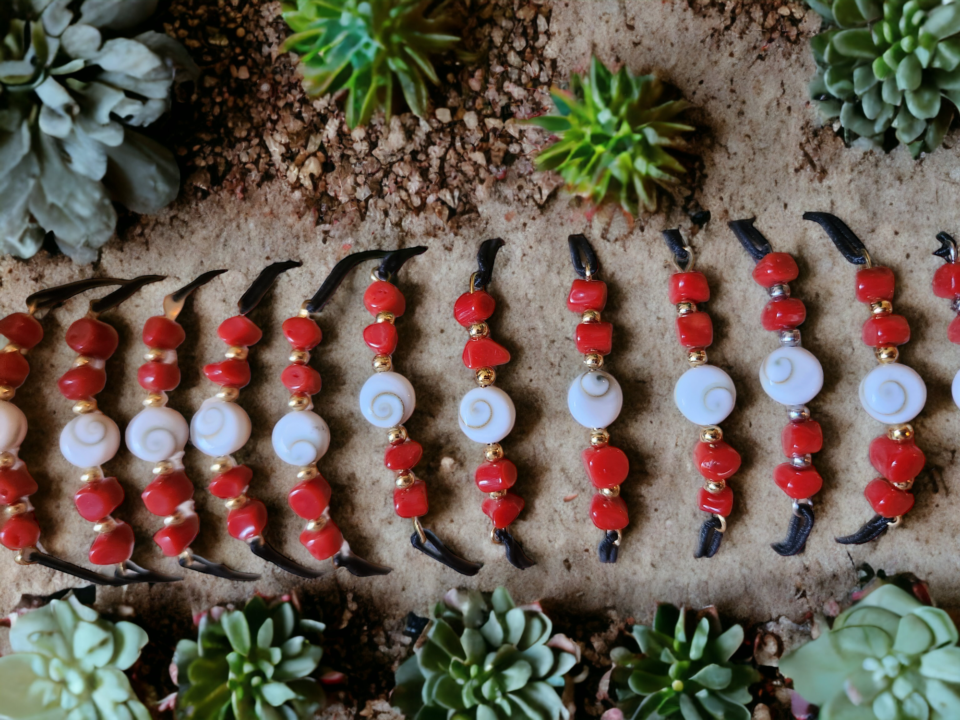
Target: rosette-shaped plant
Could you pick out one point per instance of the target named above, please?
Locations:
(253, 664)
(68, 663)
(684, 670)
(72, 87)
(889, 657)
(889, 69)
(617, 132)
(484, 658)
(368, 47)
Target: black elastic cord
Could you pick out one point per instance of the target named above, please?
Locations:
(513, 550)
(393, 261)
(609, 548)
(433, 547)
(338, 275)
(710, 538)
(254, 294)
(873, 529)
(184, 292)
(54, 297)
(677, 246)
(752, 239)
(357, 566)
(583, 257)
(801, 524)
(265, 551)
(125, 291)
(948, 247)
(847, 242)
(485, 257)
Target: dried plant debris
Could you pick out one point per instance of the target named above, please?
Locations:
(777, 18)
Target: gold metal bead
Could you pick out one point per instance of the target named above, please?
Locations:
(236, 503)
(7, 392)
(164, 467)
(176, 519)
(21, 557)
(11, 347)
(405, 480)
(18, 508)
(590, 316)
(299, 357)
(228, 394)
(479, 330)
(108, 524)
(7, 460)
(881, 307)
(498, 494)
(152, 355)
(611, 492)
(714, 487)
(317, 524)
(906, 485)
(486, 376)
(154, 400)
(385, 317)
(298, 402)
(91, 475)
(235, 352)
(397, 435)
(697, 356)
(493, 452)
(307, 472)
(221, 464)
(887, 355)
(593, 360)
(599, 437)
(686, 308)
(85, 407)
(900, 433)
(81, 360)
(382, 363)
(711, 434)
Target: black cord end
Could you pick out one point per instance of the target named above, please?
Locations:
(255, 293)
(710, 538)
(433, 547)
(394, 261)
(583, 257)
(51, 298)
(752, 239)
(485, 257)
(338, 275)
(801, 524)
(125, 291)
(871, 530)
(677, 245)
(847, 242)
(513, 550)
(609, 548)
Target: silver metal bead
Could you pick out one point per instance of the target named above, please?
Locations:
(801, 461)
(796, 413)
(955, 305)
(790, 338)
(779, 291)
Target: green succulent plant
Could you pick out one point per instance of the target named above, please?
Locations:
(367, 47)
(483, 658)
(67, 663)
(72, 87)
(250, 664)
(889, 71)
(888, 657)
(617, 132)
(684, 670)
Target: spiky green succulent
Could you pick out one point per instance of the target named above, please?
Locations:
(483, 658)
(888, 657)
(368, 47)
(889, 71)
(68, 663)
(250, 664)
(684, 670)
(617, 136)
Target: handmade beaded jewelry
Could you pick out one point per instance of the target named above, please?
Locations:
(946, 285)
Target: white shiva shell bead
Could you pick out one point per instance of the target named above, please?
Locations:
(595, 399)
(705, 395)
(301, 438)
(791, 375)
(487, 414)
(13, 426)
(219, 428)
(956, 388)
(90, 440)
(157, 433)
(387, 399)
(893, 393)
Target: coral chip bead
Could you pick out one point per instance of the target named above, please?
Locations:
(16, 483)
(158, 376)
(484, 352)
(302, 333)
(96, 500)
(495, 476)
(946, 283)
(239, 331)
(381, 338)
(886, 500)
(163, 333)
(716, 461)
(720, 503)
(784, 314)
(802, 438)
(594, 337)
(167, 492)
(606, 466)
(775, 268)
(885, 330)
(797, 483)
(404, 456)
(92, 338)
(20, 531)
(228, 373)
(323, 543)
(695, 330)
(310, 498)
(953, 331)
(474, 307)
(247, 522)
(876, 283)
(382, 296)
(411, 502)
(82, 382)
(113, 547)
(503, 511)
(609, 513)
(174, 539)
(689, 287)
(14, 369)
(896, 461)
(301, 379)
(232, 483)
(22, 329)
(587, 295)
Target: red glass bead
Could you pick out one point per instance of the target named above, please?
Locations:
(323, 543)
(228, 373)
(404, 456)
(20, 531)
(606, 466)
(158, 376)
(797, 483)
(953, 331)
(163, 333)
(301, 379)
(689, 287)
(946, 283)
(720, 503)
(484, 352)
(783, 314)
(16, 483)
(96, 500)
(14, 369)
(802, 438)
(502, 511)
(239, 331)
(174, 539)
(886, 500)
(695, 330)
(609, 513)
(876, 283)
(383, 296)
(82, 382)
(495, 476)
(775, 268)
(381, 337)
(411, 502)
(92, 338)
(474, 307)
(885, 330)
(302, 333)
(587, 295)
(167, 492)
(310, 498)
(113, 547)
(896, 461)
(594, 337)
(22, 329)
(247, 522)
(716, 461)
(232, 483)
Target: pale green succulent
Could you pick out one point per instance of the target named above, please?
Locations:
(72, 87)
(889, 657)
(68, 663)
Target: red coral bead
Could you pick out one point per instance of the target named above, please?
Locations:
(484, 352)
(716, 461)
(228, 373)
(301, 379)
(93, 338)
(310, 498)
(474, 307)
(404, 456)
(587, 295)
(689, 287)
(876, 283)
(784, 314)
(323, 543)
(82, 382)
(302, 333)
(381, 338)
(502, 511)
(946, 282)
(22, 329)
(163, 333)
(896, 461)
(411, 502)
(239, 331)
(20, 531)
(802, 438)
(16, 483)
(695, 330)
(609, 513)
(383, 296)
(606, 466)
(885, 330)
(158, 376)
(594, 337)
(720, 503)
(96, 500)
(247, 522)
(14, 369)
(775, 268)
(174, 539)
(495, 476)
(953, 331)
(232, 483)
(886, 500)
(797, 483)
(167, 492)
(113, 547)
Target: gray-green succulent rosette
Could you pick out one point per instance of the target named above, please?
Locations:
(483, 658)
(73, 87)
(68, 664)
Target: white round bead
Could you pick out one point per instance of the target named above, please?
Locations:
(13, 426)
(219, 428)
(157, 433)
(595, 399)
(90, 440)
(705, 395)
(956, 388)
(893, 393)
(487, 414)
(387, 399)
(301, 438)
(791, 375)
